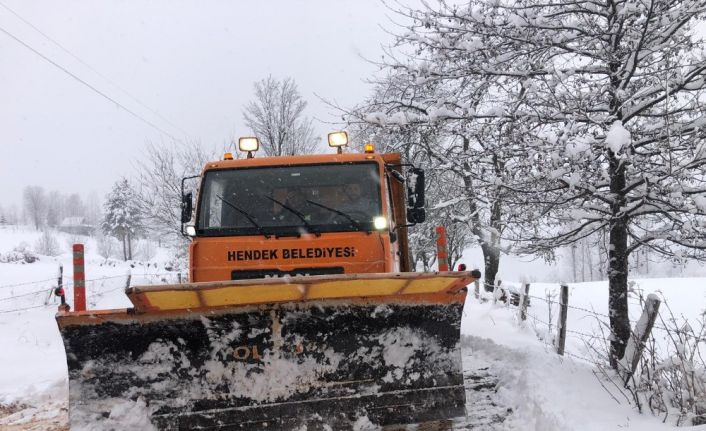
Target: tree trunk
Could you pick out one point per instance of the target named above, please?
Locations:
(491, 257)
(425, 262)
(488, 238)
(573, 262)
(589, 258)
(582, 253)
(129, 246)
(618, 291)
(124, 248)
(618, 264)
(618, 236)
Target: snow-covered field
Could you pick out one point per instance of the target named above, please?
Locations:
(32, 363)
(544, 391)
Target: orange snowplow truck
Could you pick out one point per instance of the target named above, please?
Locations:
(302, 215)
(301, 308)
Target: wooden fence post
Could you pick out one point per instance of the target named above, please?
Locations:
(523, 302)
(563, 313)
(59, 291)
(638, 338)
(495, 290)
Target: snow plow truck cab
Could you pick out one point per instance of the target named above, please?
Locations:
(301, 308)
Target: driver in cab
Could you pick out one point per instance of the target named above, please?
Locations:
(353, 200)
(295, 208)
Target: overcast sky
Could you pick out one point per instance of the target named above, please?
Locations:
(193, 62)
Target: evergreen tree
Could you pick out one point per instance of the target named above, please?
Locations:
(123, 218)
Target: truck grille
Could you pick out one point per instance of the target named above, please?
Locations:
(265, 273)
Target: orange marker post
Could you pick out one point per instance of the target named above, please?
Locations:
(79, 279)
(442, 252)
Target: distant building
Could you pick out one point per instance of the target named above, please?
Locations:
(76, 226)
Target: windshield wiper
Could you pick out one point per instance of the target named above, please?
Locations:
(248, 216)
(353, 221)
(301, 216)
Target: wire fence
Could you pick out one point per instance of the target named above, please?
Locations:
(29, 283)
(547, 328)
(90, 284)
(669, 326)
(36, 292)
(16, 310)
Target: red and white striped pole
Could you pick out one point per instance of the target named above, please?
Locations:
(442, 252)
(79, 279)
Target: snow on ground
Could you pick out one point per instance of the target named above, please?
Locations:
(543, 391)
(33, 362)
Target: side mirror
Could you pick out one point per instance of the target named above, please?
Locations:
(415, 196)
(187, 207)
(416, 215)
(418, 187)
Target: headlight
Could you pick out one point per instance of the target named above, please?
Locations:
(380, 223)
(248, 144)
(337, 139)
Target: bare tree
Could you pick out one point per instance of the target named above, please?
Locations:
(474, 158)
(56, 204)
(10, 214)
(276, 117)
(35, 205)
(74, 206)
(411, 140)
(94, 213)
(160, 171)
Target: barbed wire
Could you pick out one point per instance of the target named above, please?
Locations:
(536, 319)
(27, 283)
(595, 313)
(16, 310)
(566, 352)
(677, 331)
(586, 310)
(70, 285)
(66, 276)
(26, 294)
(583, 358)
(568, 331)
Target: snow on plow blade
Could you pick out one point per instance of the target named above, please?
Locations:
(349, 347)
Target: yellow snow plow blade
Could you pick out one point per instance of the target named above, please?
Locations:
(298, 288)
(306, 352)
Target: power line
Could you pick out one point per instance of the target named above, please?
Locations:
(66, 50)
(88, 85)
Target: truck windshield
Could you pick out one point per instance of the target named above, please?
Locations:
(290, 200)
